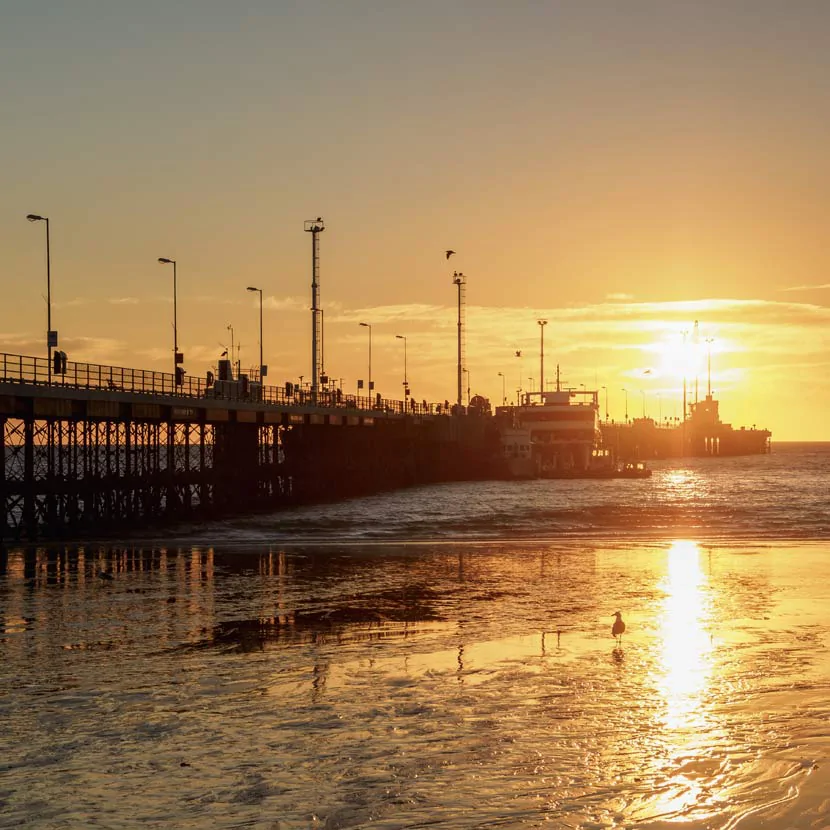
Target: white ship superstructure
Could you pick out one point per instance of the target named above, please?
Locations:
(563, 425)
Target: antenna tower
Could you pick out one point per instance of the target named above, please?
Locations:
(461, 281)
(315, 227)
(695, 341)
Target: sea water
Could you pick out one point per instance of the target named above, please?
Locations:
(439, 657)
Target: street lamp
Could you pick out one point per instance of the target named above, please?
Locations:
(459, 281)
(606, 403)
(709, 341)
(542, 324)
(51, 337)
(405, 380)
(368, 326)
(166, 261)
(263, 370)
(626, 404)
(468, 386)
(643, 393)
(503, 390)
(685, 332)
(519, 388)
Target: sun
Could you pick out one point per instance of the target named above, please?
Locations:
(679, 356)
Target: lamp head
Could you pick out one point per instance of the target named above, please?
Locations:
(251, 288)
(366, 324)
(164, 259)
(400, 337)
(33, 217)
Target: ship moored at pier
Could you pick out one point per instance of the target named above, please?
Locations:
(701, 435)
(559, 434)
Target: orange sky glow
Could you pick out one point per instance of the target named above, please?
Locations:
(621, 170)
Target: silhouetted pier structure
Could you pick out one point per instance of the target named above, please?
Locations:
(99, 448)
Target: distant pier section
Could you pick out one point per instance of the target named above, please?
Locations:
(95, 448)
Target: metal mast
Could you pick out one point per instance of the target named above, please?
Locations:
(695, 341)
(315, 227)
(461, 281)
(542, 324)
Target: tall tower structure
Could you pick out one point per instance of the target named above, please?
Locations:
(696, 351)
(460, 281)
(315, 227)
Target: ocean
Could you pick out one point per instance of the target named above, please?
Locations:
(438, 657)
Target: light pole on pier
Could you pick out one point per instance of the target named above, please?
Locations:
(51, 337)
(709, 366)
(405, 379)
(459, 280)
(643, 393)
(503, 390)
(606, 403)
(263, 370)
(542, 324)
(176, 355)
(626, 404)
(368, 326)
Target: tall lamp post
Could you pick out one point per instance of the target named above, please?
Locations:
(643, 393)
(606, 403)
(165, 261)
(503, 390)
(542, 324)
(51, 337)
(459, 281)
(368, 326)
(626, 404)
(709, 366)
(519, 387)
(405, 379)
(263, 370)
(467, 372)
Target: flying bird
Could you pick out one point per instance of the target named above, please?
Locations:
(449, 253)
(224, 354)
(518, 353)
(618, 629)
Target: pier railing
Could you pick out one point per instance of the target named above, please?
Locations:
(16, 368)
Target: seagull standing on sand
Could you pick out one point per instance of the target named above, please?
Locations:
(618, 629)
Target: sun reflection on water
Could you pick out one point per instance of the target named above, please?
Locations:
(683, 675)
(686, 647)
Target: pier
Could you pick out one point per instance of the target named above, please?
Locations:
(102, 448)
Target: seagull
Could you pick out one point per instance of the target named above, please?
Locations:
(224, 354)
(618, 628)
(449, 253)
(518, 353)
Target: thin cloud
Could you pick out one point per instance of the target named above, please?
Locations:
(819, 287)
(286, 304)
(123, 300)
(619, 297)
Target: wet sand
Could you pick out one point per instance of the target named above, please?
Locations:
(392, 686)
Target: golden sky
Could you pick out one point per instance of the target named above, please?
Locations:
(619, 169)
